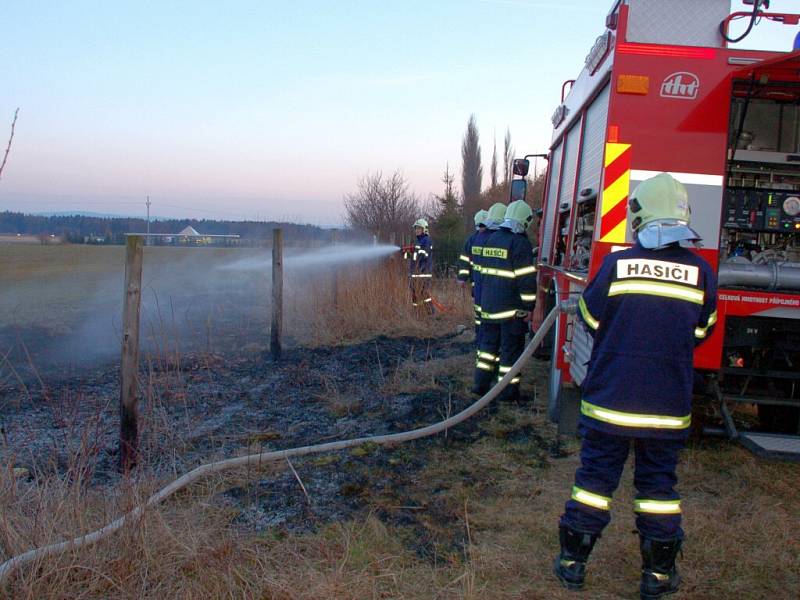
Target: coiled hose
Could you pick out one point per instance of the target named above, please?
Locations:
(256, 459)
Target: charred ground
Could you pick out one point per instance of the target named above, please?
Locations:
(207, 407)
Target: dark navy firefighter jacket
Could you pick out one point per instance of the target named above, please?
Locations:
(421, 261)
(508, 276)
(647, 310)
(467, 262)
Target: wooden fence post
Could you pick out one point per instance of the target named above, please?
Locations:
(277, 293)
(129, 367)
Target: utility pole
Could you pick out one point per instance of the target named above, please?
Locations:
(147, 239)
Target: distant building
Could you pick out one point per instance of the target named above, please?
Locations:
(189, 236)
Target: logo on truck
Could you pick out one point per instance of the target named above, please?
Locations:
(681, 85)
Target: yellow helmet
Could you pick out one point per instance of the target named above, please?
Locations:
(660, 212)
(519, 212)
(497, 212)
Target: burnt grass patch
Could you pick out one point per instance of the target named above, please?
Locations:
(196, 408)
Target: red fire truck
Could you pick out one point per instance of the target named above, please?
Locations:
(662, 89)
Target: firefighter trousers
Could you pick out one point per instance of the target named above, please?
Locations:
(603, 456)
(500, 344)
(420, 286)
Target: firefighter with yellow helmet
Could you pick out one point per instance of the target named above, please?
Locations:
(467, 265)
(646, 309)
(420, 266)
(507, 296)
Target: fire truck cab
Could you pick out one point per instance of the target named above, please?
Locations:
(662, 89)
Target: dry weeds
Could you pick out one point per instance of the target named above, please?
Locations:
(488, 508)
(501, 496)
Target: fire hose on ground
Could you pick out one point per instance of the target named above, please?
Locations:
(272, 456)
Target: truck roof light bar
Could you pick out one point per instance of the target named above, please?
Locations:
(662, 50)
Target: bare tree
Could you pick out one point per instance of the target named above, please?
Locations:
(508, 156)
(535, 194)
(471, 170)
(382, 206)
(10, 139)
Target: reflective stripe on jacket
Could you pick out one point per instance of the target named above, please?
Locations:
(420, 262)
(467, 261)
(508, 276)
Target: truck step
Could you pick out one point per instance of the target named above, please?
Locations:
(768, 374)
(761, 400)
(771, 445)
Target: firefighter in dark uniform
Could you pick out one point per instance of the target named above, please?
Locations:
(647, 308)
(420, 266)
(467, 273)
(492, 221)
(507, 296)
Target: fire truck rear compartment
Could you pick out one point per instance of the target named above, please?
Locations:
(760, 237)
(760, 250)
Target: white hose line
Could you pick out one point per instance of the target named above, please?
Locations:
(255, 459)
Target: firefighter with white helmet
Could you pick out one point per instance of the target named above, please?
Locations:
(467, 271)
(647, 308)
(420, 266)
(507, 295)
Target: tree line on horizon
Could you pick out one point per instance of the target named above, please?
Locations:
(79, 229)
(384, 206)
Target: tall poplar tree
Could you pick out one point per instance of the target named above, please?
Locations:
(493, 168)
(508, 156)
(471, 170)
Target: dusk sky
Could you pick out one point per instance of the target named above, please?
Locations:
(273, 110)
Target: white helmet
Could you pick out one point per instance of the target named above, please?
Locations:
(421, 223)
(481, 217)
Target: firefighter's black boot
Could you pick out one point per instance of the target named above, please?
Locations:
(659, 573)
(570, 564)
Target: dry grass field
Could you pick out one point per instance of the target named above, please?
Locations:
(64, 303)
(53, 286)
(470, 514)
